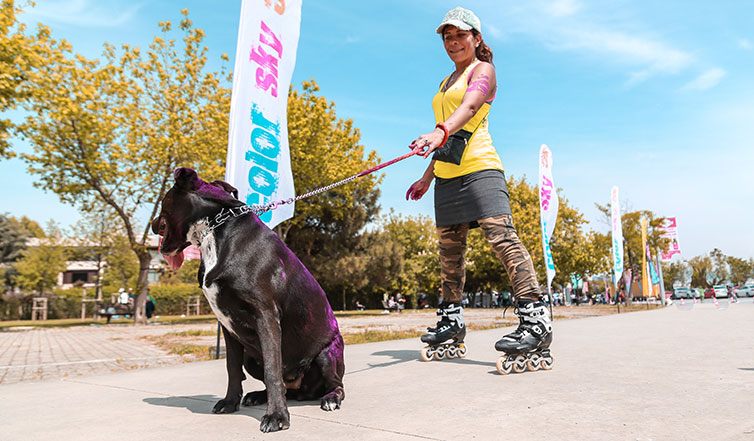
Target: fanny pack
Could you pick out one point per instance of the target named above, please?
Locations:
(452, 150)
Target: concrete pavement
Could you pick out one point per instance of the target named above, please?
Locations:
(669, 374)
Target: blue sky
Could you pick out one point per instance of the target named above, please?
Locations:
(654, 97)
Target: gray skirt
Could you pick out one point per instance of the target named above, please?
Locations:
(471, 197)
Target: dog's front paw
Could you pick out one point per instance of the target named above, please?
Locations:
(331, 401)
(275, 421)
(254, 398)
(226, 406)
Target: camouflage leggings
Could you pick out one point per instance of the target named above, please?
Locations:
(501, 235)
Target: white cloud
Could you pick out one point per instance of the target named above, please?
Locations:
(651, 55)
(493, 30)
(563, 8)
(706, 80)
(595, 30)
(87, 13)
(745, 44)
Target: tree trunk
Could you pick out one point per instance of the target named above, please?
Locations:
(142, 288)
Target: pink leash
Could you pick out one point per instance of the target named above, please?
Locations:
(258, 209)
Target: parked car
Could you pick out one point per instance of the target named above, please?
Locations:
(682, 293)
(709, 293)
(721, 291)
(745, 291)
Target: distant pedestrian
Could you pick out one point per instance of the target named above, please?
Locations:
(150, 307)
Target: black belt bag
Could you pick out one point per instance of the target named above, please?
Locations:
(452, 150)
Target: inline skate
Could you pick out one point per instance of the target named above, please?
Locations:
(528, 346)
(450, 327)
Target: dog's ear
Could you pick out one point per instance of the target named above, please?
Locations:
(186, 179)
(227, 187)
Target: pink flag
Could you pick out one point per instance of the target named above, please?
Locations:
(192, 253)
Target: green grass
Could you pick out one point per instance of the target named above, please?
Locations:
(59, 323)
(371, 336)
(63, 323)
(200, 352)
(192, 333)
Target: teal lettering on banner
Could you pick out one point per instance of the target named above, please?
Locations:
(263, 158)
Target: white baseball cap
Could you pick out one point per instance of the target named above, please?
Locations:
(462, 19)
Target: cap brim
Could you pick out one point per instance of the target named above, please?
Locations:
(457, 23)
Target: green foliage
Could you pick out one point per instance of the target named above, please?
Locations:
(113, 131)
(720, 273)
(676, 271)
(632, 244)
(573, 250)
(12, 239)
(740, 270)
(420, 271)
(186, 274)
(172, 299)
(325, 149)
(19, 54)
(122, 268)
(39, 267)
(701, 267)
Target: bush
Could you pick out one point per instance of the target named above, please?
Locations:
(172, 299)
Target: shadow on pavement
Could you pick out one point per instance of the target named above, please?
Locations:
(400, 356)
(196, 404)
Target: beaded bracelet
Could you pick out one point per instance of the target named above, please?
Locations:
(445, 133)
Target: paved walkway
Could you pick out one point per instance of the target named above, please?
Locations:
(47, 353)
(54, 353)
(669, 374)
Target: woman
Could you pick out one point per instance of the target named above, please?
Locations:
(471, 191)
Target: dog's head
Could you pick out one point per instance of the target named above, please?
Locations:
(188, 201)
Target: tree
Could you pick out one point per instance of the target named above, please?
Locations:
(720, 273)
(325, 149)
(701, 270)
(39, 267)
(19, 53)
(12, 239)
(675, 272)
(122, 269)
(632, 245)
(113, 132)
(14, 234)
(740, 270)
(572, 251)
(187, 273)
(417, 237)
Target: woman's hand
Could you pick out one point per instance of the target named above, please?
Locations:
(428, 142)
(417, 189)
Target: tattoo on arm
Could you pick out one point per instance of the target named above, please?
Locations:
(481, 83)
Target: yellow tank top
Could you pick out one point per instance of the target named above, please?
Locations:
(480, 154)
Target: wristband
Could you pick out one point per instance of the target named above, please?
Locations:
(445, 133)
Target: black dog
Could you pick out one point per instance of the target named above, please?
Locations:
(276, 319)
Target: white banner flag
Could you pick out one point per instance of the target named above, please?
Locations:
(259, 162)
(617, 229)
(548, 208)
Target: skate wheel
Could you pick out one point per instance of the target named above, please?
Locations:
(461, 352)
(451, 352)
(427, 353)
(546, 363)
(440, 353)
(533, 362)
(519, 365)
(503, 367)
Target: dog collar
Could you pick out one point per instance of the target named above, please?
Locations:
(222, 217)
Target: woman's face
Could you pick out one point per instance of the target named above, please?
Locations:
(459, 44)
